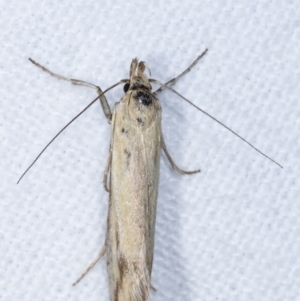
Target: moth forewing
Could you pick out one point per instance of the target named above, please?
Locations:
(134, 175)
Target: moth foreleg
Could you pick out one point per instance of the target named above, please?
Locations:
(175, 79)
(103, 100)
(174, 166)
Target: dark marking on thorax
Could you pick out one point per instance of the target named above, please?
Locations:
(143, 97)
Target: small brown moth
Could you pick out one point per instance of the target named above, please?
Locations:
(133, 172)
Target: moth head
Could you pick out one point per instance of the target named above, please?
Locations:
(138, 79)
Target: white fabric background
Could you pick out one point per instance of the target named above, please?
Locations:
(228, 233)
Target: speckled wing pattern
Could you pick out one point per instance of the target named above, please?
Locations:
(134, 176)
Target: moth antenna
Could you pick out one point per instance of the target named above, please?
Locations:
(113, 86)
(207, 114)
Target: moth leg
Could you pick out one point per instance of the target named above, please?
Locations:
(103, 100)
(174, 166)
(102, 252)
(175, 79)
(153, 288)
(106, 171)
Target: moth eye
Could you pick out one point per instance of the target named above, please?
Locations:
(126, 87)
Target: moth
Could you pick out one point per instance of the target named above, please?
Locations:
(131, 177)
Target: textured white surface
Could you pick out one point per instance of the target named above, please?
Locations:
(229, 233)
